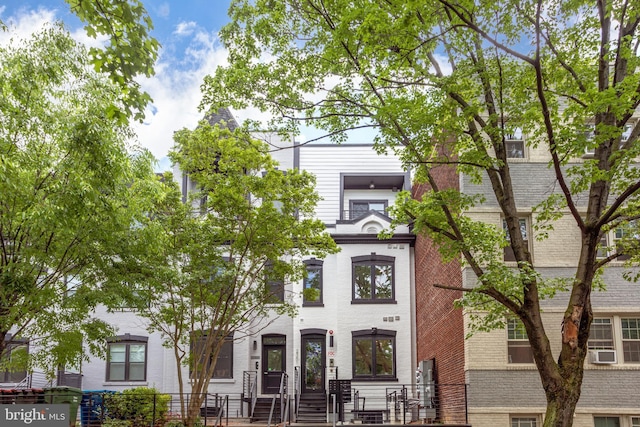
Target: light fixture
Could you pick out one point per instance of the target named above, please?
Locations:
(255, 345)
(372, 185)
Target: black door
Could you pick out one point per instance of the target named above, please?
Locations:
(274, 362)
(314, 366)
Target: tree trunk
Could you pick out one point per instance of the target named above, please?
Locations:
(563, 393)
(561, 406)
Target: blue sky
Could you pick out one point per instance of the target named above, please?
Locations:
(187, 31)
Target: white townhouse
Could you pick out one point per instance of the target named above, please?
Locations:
(357, 324)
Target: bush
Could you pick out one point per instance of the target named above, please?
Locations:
(178, 423)
(116, 423)
(140, 406)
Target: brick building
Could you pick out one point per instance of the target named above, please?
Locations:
(503, 385)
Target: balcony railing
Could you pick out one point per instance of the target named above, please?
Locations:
(355, 214)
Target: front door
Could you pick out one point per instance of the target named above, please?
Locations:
(274, 362)
(314, 366)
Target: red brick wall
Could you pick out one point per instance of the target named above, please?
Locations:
(440, 332)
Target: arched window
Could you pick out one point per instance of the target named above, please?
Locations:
(373, 279)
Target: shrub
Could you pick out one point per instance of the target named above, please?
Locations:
(178, 423)
(116, 423)
(140, 406)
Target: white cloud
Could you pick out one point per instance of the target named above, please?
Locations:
(24, 23)
(175, 88)
(176, 93)
(185, 28)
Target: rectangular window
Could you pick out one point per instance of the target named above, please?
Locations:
(374, 354)
(14, 363)
(589, 136)
(524, 422)
(373, 278)
(514, 144)
(631, 340)
(603, 246)
(508, 251)
(359, 208)
(635, 421)
(515, 149)
(518, 347)
(601, 335)
(312, 284)
(624, 236)
(274, 284)
(606, 421)
(127, 359)
(223, 364)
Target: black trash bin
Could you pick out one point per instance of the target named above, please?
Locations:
(69, 395)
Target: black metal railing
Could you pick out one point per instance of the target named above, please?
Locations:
(351, 214)
(376, 404)
(444, 404)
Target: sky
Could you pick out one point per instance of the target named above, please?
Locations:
(188, 33)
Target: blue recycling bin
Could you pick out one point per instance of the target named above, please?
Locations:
(91, 407)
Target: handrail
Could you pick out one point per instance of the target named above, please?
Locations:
(225, 405)
(283, 394)
(250, 389)
(285, 418)
(254, 396)
(297, 390)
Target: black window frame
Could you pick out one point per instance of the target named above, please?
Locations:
(226, 353)
(353, 202)
(127, 340)
(373, 334)
(12, 344)
(274, 286)
(372, 261)
(314, 265)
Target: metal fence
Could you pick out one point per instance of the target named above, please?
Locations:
(348, 402)
(403, 404)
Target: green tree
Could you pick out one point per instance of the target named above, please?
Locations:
(130, 52)
(213, 267)
(65, 180)
(447, 82)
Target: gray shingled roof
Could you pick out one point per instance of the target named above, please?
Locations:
(223, 117)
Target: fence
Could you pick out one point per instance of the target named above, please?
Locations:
(403, 404)
(350, 402)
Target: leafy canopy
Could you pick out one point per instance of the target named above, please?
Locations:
(213, 266)
(65, 179)
(131, 50)
(451, 82)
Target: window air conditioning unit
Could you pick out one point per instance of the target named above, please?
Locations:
(603, 357)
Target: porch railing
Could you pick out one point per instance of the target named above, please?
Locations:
(297, 390)
(250, 389)
(283, 397)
